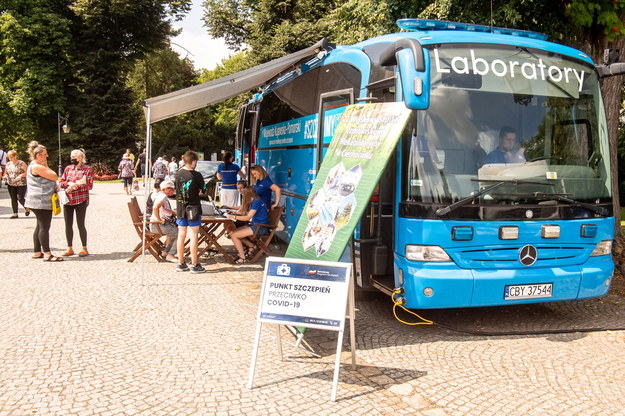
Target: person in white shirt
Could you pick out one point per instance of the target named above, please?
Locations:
(173, 168)
(164, 216)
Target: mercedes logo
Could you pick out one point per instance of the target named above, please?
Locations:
(528, 255)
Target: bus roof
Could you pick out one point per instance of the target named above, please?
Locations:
(430, 32)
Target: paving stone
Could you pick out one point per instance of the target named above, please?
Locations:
(98, 335)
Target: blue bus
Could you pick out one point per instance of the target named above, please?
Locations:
(499, 190)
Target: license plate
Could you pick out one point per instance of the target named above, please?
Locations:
(540, 290)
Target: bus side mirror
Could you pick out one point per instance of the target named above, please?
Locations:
(414, 66)
(415, 84)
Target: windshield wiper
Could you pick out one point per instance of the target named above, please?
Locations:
(446, 210)
(590, 207)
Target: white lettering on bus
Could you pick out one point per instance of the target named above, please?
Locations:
(530, 70)
(310, 129)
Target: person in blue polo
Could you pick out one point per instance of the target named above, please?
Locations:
(227, 172)
(263, 186)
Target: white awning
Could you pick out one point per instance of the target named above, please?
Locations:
(215, 91)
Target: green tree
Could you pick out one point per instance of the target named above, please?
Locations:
(35, 68)
(158, 73)
(73, 57)
(270, 29)
(112, 36)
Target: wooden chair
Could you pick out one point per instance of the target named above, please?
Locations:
(262, 242)
(153, 243)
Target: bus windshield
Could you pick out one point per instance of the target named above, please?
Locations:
(521, 116)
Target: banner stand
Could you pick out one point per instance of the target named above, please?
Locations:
(299, 341)
(331, 291)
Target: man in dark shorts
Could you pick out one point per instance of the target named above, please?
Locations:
(141, 166)
(189, 184)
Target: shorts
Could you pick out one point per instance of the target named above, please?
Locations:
(142, 169)
(183, 222)
(127, 181)
(262, 231)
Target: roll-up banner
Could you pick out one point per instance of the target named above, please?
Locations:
(363, 141)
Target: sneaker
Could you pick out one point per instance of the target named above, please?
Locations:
(182, 268)
(197, 269)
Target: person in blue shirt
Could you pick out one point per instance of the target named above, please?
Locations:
(257, 213)
(263, 186)
(227, 173)
(506, 152)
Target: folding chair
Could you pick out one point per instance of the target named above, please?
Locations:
(152, 239)
(261, 242)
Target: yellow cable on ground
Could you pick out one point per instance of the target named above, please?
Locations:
(398, 303)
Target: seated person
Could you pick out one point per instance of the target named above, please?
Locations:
(163, 215)
(241, 185)
(149, 204)
(506, 152)
(239, 209)
(257, 214)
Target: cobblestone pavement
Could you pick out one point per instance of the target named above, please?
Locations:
(101, 336)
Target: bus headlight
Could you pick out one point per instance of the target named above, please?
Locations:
(426, 253)
(603, 248)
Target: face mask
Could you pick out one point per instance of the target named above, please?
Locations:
(74, 161)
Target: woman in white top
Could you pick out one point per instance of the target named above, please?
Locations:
(173, 168)
(163, 215)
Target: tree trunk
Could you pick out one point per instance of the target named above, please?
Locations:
(611, 88)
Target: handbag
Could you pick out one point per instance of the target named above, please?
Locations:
(56, 204)
(192, 212)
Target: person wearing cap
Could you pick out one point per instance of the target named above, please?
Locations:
(126, 173)
(165, 220)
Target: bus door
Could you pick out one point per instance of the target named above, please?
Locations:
(373, 242)
(331, 106)
(246, 136)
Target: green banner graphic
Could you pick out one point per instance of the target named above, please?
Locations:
(363, 141)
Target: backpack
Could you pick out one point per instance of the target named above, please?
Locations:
(159, 170)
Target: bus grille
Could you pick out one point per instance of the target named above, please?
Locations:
(508, 256)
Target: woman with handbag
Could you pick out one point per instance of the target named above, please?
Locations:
(15, 174)
(41, 183)
(164, 220)
(126, 173)
(77, 181)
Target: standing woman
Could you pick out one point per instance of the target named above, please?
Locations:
(264, 185)
(172, 168)
(227, 172)
(125, 169)
(77, 180)
(15, 174)
(41, 182)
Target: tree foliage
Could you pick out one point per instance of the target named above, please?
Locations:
(35, 67)
(73, 57)
(268, 28)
